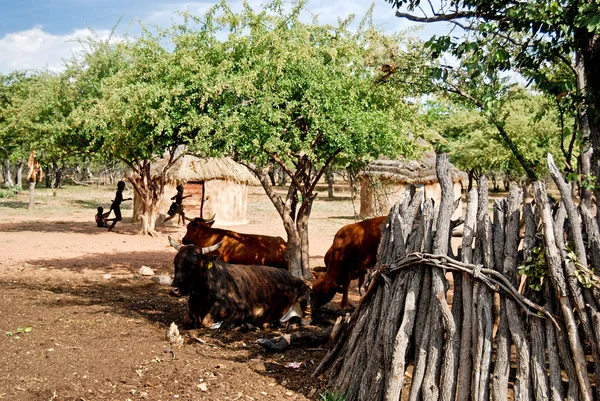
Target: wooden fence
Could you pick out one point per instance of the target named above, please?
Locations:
(405, 342)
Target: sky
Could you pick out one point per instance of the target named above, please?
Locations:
(38, 34)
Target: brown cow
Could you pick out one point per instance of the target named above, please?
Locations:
(223, 295)
(352, 254)
(244, 249)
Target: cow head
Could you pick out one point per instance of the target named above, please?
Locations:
(191, 267)
(196, 228)
(325, 288)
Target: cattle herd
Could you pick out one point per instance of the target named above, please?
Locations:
(233, 278)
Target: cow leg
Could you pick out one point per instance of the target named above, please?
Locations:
(361, 281)
(345, 296)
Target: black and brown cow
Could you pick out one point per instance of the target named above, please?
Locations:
(234, 294)
(245, 249)
(352, 254)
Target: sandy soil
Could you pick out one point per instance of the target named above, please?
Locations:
(99, 338)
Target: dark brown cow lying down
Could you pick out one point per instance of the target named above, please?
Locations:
(352, 254)
(245, 249)
(234, 294)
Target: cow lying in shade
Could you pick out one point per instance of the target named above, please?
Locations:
(245, 249)
(227, 295)
(352, 254)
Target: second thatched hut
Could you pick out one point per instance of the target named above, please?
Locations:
(385, 182)
(221, 182)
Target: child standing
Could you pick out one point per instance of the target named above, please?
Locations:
(116, 205)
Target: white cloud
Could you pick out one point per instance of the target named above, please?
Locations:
(36, 49)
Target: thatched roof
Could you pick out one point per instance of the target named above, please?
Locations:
(411, 171)
(193, 169)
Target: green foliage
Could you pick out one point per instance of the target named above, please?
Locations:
(586, 276)
(534, 267)
(289, 88)
(475, 145)
(546, 42)
(9, 192)
(331, 396)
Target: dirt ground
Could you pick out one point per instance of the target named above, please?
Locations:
(77, 322)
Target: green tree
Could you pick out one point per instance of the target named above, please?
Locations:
(477, 146)
(14, 146)
(302, 96)
(152, 102)
(536, 38)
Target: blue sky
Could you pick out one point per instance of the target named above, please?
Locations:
(36, 34)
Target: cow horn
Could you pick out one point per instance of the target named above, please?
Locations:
(211, 219)
(174, 243)
(188, 218)
(211, 248)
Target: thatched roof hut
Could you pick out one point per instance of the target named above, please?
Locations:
(385, 182)
(222, 182)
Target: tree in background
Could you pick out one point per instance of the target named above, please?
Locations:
(477, 146)
(14, 147)
(302, 97)
(536, 38)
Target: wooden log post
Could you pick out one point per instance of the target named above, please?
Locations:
(537, 330)
(553, 261)
(398, 367)
(515, 322)
(440, 311)
(503, 343)
(482, 299)
(465, 367)
(575, 230)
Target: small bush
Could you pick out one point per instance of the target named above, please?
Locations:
(8, 192)
(331, 396)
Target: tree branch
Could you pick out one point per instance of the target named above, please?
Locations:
(438, 17)
(285, 168)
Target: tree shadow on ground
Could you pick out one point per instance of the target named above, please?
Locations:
(353, 218)
(15, 204)
(134, 298)
(121, 263)
(124, 227)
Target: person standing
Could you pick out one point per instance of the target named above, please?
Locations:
(116, 205)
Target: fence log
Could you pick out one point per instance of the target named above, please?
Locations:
(484, 312)
(555, 377)
(502, 362)
(406, 306)
(515, 322)
(449, 361)
(465, 359)
(396, 376)
(554, 266)
(537, 331)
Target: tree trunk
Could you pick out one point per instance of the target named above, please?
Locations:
(329, 175)
(31, 193)
(8, 181)
(19, 173)
(150, 191)
(48, 177)
(302, 227)
(589, 45)
(294, 248)
(58, 173)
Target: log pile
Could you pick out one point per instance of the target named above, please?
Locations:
(524, 320)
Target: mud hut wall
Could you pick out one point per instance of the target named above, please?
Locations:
(228, 200)
(378, 201)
